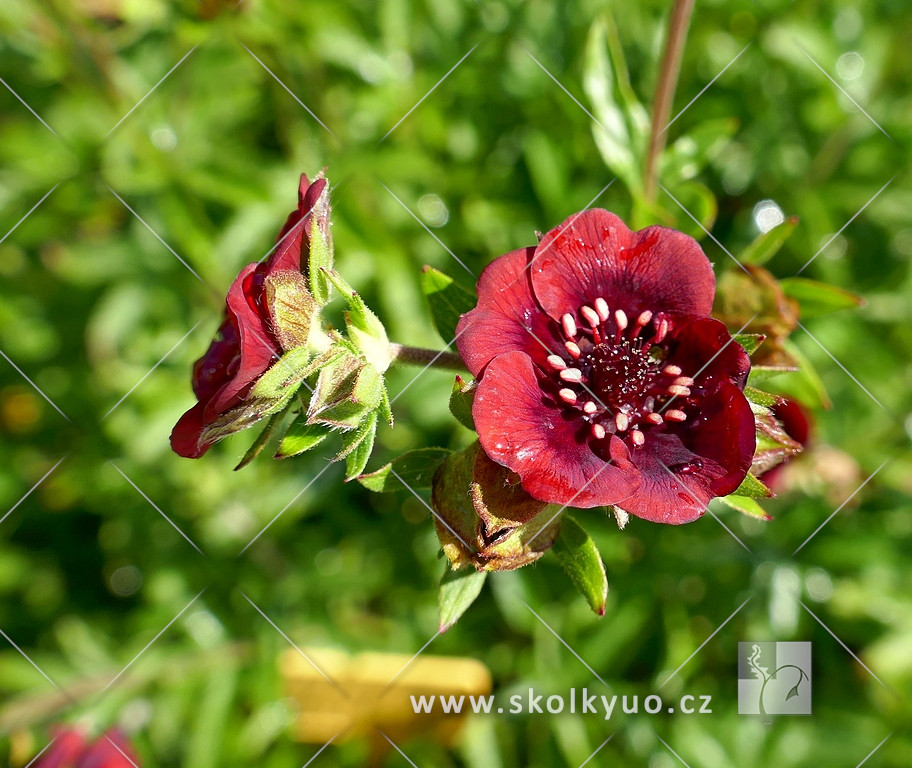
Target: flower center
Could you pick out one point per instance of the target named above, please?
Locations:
(612, 372)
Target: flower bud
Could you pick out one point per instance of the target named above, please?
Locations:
(484, 517)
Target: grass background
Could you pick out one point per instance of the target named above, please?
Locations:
(92, 300)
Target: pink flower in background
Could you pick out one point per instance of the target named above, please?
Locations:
(71, 750)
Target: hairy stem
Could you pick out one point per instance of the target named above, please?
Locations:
(668, 81)
(448, 361)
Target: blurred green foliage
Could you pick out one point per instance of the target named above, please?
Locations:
(94, 295)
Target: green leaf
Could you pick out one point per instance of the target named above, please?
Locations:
(746, 506)
(458, 590)
(765, 247)
(816, 298)
(622, 126)
(461, 399)
(357, 449)
(260, 443)
(759, 397)
(416, 468)
(688, 155)
(806, 384)
(301, 437)
(447, 299)
(580, 559)
(753, 488)
(750, 341)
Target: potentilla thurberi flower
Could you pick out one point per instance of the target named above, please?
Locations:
(601, 377)
(259, 325)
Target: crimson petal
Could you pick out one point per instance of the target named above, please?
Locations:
(684, 470)
(507, 317)
(705, 351)
(258, 349)
(519, 429)
(594, 255)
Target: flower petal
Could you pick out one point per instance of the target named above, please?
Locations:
(295, 235)
(594, 255)
(258, 348)
(684, 470)
(705, 351)
(519, 429)
(507, 317)
(185, 437)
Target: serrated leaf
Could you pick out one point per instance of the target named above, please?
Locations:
(447, 299)
(759, 397)
(581, 561)
(816, 298)
(750, 341)
(746, 506)
(260, 443)
(752, 488)
(360, 453)
(416, 468)
(301, 437)
(461, 399)
(458, 590)
(765, 247)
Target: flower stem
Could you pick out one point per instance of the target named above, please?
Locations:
(665, 89)
(426, 357)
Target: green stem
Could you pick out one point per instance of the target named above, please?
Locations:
(665, 89)
(404, 355)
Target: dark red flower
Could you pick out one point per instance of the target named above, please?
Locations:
(70, 750)
(65, 750)
(248, 342)
(796, 421)
(602, 378)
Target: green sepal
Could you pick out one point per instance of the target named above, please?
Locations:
(759, 397)
(461, 399)
(357, 460)
(752, 488)
(346, 392)
(364, 327)
(301, 437)
(580, 559)
(352, 439)
(447, 300)
(321, 249)
(750, 341)
(416, 468)
(746, 506)
(816, 298)
(458, 590)
(260, 443)
(291, 307)
(765, 247)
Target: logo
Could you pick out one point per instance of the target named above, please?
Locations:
(774, 679)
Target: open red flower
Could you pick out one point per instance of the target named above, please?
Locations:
(601, 377)
(248, 342)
